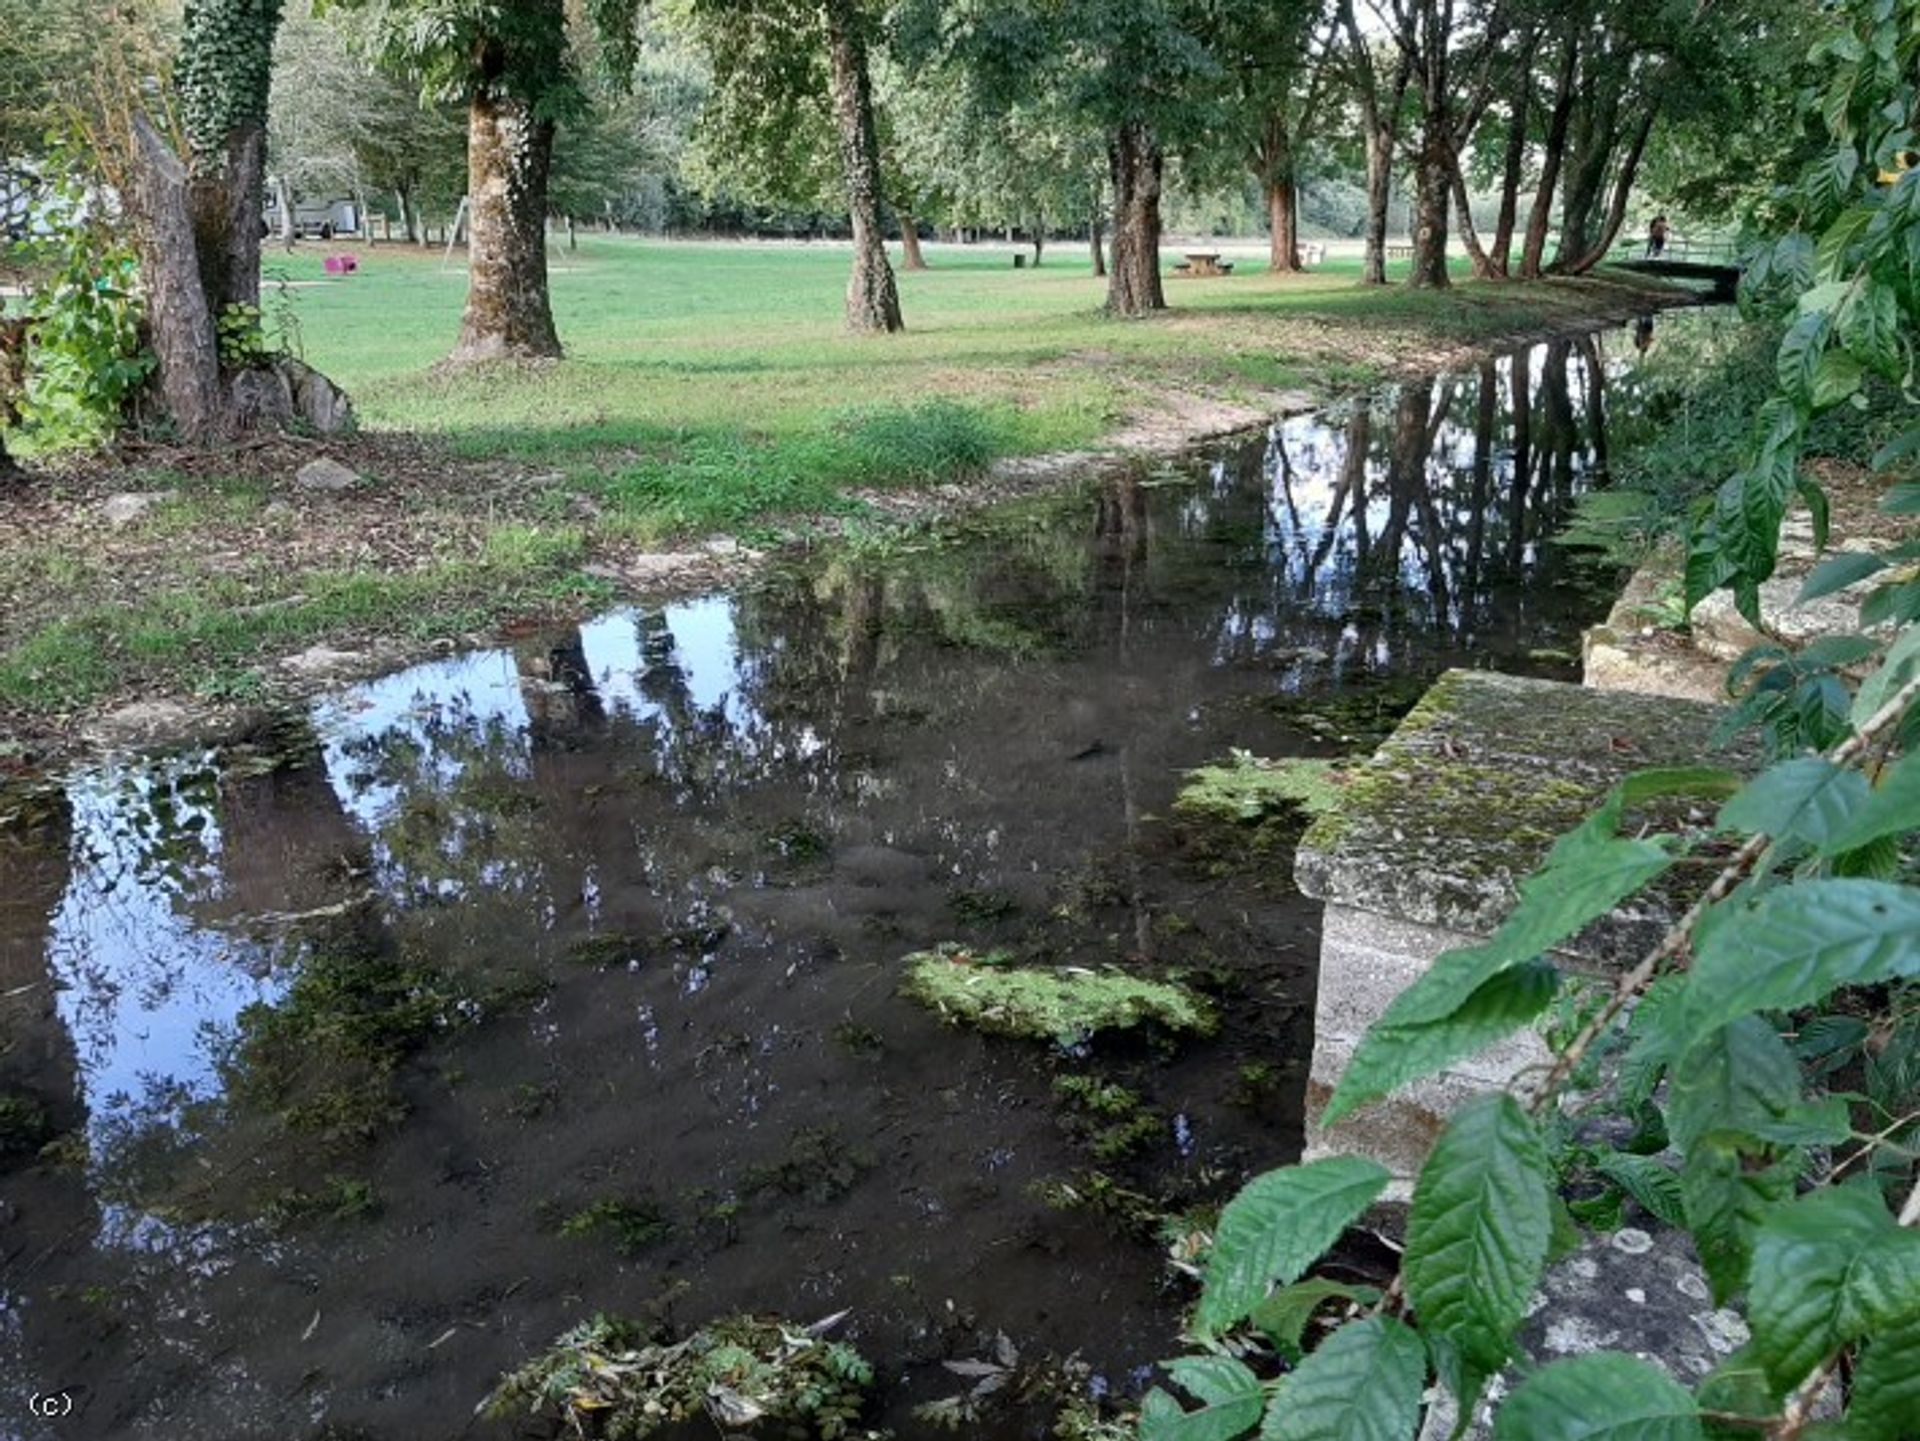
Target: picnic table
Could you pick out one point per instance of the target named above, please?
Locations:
(1201, 264)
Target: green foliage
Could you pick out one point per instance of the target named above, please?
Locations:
(634, 1225)
(225, 69)
(1601, 1397)
(243, 340)
(86, 358)
(1363, 1384)
(1248, 787)
(1067, 1006)
(1478, 1234)
(606, 1378)
(1278, 1226)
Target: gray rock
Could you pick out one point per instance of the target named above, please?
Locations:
(1634, 1291)
(142, 722)
(321, 662)
(124, 509)
(325, 476)
(316, 400)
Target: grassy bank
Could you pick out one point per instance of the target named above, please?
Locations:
(708, 388)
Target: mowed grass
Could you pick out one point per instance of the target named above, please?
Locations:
(708, 387)
(706, 383)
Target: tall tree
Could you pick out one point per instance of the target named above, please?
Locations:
(511, 64)
(1278, 68)
(779, 66)
(1379, 77)
(1146, 78)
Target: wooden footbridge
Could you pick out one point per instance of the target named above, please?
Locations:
(1713, 262)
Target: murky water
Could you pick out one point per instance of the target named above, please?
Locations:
(332, 1034)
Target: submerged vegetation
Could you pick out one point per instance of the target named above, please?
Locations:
(607, 1379)
(1248, 787)
(1067, 1006)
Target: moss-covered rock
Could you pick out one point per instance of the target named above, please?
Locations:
(1065, 1005)
(753, 1374)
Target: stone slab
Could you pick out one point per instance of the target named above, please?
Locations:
(1637, 1291)
(1466, 798)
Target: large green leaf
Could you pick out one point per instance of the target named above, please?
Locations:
(1735, 1079)
(1280, 1224)
(1797, 944)
(1450, 1011)
(1395, 1052)
(1230, 1396)
(1892, 809)
(1363, 1383)
(1900, 666)
(1727, 1194)
(1655, 1186)
(1284, 1315)
(1798, 800)
(1799, 355)
(1605, 1396)
(1826, 1268)
(1886, 1383)
(1478, 1234)
(1837, 572)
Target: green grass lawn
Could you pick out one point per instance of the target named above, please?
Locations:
(708, 387)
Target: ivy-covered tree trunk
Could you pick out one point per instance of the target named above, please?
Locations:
(1136, 163)
(509, 314)
(1596, 136)
(1617, 208)
(873, 299)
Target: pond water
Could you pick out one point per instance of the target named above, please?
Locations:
(561, 977)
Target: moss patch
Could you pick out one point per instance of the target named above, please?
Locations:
(1248, 787)
(1065, 1006)
(607, 1378)
(634, 1224)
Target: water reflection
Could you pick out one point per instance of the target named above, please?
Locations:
(769, 791)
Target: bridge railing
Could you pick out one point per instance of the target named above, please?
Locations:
(1678, 248)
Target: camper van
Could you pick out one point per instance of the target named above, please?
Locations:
(315, 219)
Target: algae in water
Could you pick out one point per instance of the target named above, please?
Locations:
(606, 1378)
(1065, 1005)
(1248, 787)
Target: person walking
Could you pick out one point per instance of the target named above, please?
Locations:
(1657, 238)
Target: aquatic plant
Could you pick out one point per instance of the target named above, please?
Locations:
(634, 1224)
(1066, 1005)
(1249, 787)
(606, 1378)
(818, 1164)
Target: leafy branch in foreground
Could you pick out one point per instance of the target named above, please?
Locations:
(1766, 1048)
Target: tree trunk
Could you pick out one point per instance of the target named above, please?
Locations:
(1379, 202)
(1622, 189)
(873, 301)
(409, 222)
(1283, 224)
(1435, 185)
(1135, 160)
(182, 323)
(1275, 166)
(1541, 215)
(226, 201)
(573, 236)
(289, 227)
(1512, 167)
(1039, 242)
(1096, 234)
(509, 154)
(911, 255)
(1469, 232)
(1596, 134)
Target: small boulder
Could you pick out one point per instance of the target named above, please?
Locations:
(325, 476)
(124, 509)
